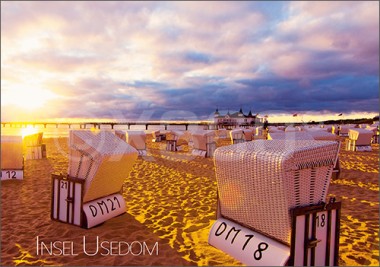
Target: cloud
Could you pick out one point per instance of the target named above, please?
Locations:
(145, 59)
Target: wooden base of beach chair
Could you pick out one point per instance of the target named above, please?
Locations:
(67, 204)
(375, 139)
(12, 175)
(162, 137)
(210, 149)
(315, 235)
(314, 239)
(171, 145)
(36, 152)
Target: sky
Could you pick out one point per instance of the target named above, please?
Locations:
(182, 60)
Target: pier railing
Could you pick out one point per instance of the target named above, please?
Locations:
(97, 125)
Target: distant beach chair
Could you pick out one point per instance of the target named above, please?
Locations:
(175, 140)
(291, 129)
(359, 140)
(237, 136)
(156, 136)
(259, 198)
(203, 143)
(121, 134)
(91, 192)
(12, 160)
(293, 135)
(375, 130)
(221, 133)
(343, 130)
(274, 129)
(34, 147)
(248, 135)
(137, 139)
(326, 136)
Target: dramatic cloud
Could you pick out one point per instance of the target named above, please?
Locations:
(154, 60)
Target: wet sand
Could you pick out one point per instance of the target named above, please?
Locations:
(171, 203)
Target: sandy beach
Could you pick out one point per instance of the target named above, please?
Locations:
(171, 204)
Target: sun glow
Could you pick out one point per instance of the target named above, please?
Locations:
(26, 97)
(28, 131)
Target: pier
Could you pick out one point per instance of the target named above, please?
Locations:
(97, 125)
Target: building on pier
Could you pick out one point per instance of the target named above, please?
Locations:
(236, 119)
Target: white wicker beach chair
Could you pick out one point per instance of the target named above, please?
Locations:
(156, 136)
(290, 136)
(33, 139)
(323, 135)
(121, 134)
(102, 159)
(34, 147)
(203, 143)
(237, 136)
(12, 160)
(90, 194)
(375, 131)
(175, 140)
(137, 139)
(291, 129)
(359, 140)
(259, 182)
(248, 134)
(221, 133)
(343, 130)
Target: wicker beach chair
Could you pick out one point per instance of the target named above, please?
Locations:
(137, 139)
(101, 159)
(203, 143)
(156, 136)
(295, 135)
(248, 134)
(11, 153)
(33, 139)
(121, 134)
(323, 135)
(221, 133)
(260, 182)
(375, 131)
(175, 140)
(359, 140)
(91, 193)
(291, 129)
(344, 129)
(34, 147)
(237, 136)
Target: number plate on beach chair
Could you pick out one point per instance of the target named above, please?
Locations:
(12, 175)
(246, 245)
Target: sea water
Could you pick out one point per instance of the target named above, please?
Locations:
(62, 130)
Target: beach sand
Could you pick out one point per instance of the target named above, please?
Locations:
(171, 202)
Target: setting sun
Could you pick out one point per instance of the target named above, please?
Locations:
(26, 97)
(28, 131)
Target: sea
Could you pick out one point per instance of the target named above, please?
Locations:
(62, 130)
